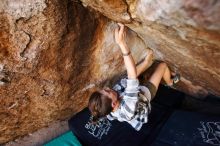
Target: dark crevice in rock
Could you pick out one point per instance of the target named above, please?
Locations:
(4, 76)
(128, 12)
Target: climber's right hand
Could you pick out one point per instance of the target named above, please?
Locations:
(120, 34)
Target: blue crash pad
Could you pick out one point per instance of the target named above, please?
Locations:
(67, 139)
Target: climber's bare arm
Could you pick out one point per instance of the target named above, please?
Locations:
(128, 59)
(146, 63)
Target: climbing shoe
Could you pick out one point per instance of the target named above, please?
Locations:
(176, 79)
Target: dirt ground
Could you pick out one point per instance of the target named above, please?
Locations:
(41, 136)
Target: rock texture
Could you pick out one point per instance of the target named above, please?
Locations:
(54, 53)
(184, 33)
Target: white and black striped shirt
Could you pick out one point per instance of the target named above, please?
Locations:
(135, 103)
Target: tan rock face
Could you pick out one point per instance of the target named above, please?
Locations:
(185, 34)
(54, 53)
(116, 10)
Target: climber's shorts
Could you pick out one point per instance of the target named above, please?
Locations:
(152, 88)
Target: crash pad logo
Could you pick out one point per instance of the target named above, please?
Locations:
(210, 132)
(99, 128)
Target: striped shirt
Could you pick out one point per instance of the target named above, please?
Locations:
(135, 103)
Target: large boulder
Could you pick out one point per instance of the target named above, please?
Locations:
(183, 33)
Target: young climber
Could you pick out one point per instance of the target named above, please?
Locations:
(128, 101)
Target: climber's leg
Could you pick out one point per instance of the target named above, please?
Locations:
(162, 71)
